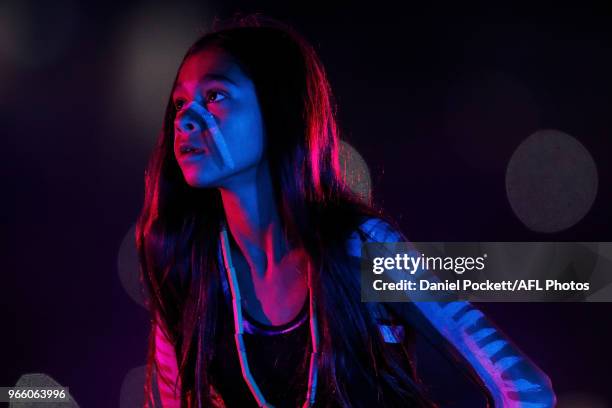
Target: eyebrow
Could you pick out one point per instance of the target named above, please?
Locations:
(211, 76)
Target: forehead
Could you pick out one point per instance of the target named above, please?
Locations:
(210, 62)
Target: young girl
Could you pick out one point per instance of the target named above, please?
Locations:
(249, 242)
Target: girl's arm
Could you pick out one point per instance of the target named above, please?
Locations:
(162, 391)
(511, 378)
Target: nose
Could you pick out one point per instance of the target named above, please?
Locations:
(188, 121)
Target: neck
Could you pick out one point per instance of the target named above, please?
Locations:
(253, 219)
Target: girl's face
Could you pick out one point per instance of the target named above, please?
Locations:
(218, 131)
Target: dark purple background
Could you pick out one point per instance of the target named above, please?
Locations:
(72, 172)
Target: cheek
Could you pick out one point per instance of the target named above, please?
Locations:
(245, 137)
(175, 151)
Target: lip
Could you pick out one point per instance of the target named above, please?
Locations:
(187, 149)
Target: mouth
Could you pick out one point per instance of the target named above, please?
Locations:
(186, 150)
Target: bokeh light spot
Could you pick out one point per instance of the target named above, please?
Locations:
(551, 181)
(128, 267)
(355, 171)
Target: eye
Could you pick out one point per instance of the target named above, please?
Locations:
(213, 96)
(179, 103)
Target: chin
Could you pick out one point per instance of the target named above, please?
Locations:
(213, 178)
(197, 181)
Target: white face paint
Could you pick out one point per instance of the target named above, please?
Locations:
(219, 132)
(215, 143)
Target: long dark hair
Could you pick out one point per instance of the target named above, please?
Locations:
(178, 228)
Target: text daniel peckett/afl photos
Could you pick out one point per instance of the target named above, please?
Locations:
(413, 264)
